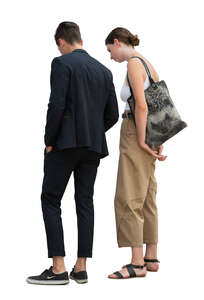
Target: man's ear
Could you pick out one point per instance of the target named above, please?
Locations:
(59, 41)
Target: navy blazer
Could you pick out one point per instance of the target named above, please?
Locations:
(82, 104)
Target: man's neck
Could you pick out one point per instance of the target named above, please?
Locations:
(76, 47)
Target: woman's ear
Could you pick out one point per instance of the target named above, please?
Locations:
(116, 42)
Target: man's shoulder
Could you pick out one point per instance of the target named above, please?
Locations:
(73, 58)
(65, 58)
(108, 71)
(101, 66)
(65, 61)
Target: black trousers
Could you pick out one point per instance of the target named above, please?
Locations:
(58, 166)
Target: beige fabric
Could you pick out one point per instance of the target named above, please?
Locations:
(136, 187)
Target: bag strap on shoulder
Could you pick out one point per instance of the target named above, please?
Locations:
(146, 69)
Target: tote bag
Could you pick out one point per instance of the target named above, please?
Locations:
(163, 119)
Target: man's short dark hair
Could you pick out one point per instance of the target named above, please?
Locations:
(68, 31)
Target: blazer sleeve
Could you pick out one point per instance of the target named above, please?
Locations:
(111, 114)
(59, 82)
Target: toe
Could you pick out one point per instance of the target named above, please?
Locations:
(112, 276)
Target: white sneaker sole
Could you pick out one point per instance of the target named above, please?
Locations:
(79, 280)
(49, 282)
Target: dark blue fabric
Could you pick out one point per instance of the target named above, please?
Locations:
(58, 167)
(82, 104)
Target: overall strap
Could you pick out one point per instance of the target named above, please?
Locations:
(146, 68)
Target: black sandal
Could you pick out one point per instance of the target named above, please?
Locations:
(131, 271)
(151, 260)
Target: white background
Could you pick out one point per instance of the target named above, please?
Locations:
(171, 37)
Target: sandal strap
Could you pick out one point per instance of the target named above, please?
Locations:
(138, 266)
(118, 274)
(131, 270)
(135, 266)
(151, 260)
(131, 267)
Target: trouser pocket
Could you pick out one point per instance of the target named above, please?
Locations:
(48, 153)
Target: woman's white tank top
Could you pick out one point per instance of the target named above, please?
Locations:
(125, 91)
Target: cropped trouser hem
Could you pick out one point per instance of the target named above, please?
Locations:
(54, 253)
(84, 255)
(150, 242)
(132, 244)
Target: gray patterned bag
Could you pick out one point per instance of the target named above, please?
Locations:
(163, 120)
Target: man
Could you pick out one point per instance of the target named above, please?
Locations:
(81, 108)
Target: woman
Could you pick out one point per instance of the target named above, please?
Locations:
(135, 206)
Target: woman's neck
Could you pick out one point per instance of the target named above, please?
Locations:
(130, 53)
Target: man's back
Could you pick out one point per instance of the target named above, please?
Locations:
(82, 104)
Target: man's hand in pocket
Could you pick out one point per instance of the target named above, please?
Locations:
(49, 148)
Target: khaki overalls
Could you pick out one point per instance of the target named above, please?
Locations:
(136, 187)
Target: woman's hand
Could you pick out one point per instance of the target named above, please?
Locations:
(159, 151)
(155, 153)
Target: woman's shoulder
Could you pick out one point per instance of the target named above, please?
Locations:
(136, 64)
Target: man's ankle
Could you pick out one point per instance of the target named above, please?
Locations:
(58, 269)
(80, 265)
(58, 264)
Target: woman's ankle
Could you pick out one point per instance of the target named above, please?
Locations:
(150, 256)
(151, 251)
(139, 262)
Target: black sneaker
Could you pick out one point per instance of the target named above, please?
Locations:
(48, 277)
(79, 277)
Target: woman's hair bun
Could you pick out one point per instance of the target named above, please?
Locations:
(134, 41)
(123, 35)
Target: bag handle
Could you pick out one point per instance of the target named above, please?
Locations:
(146, 69)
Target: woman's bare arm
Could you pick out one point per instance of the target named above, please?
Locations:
(136, 78)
